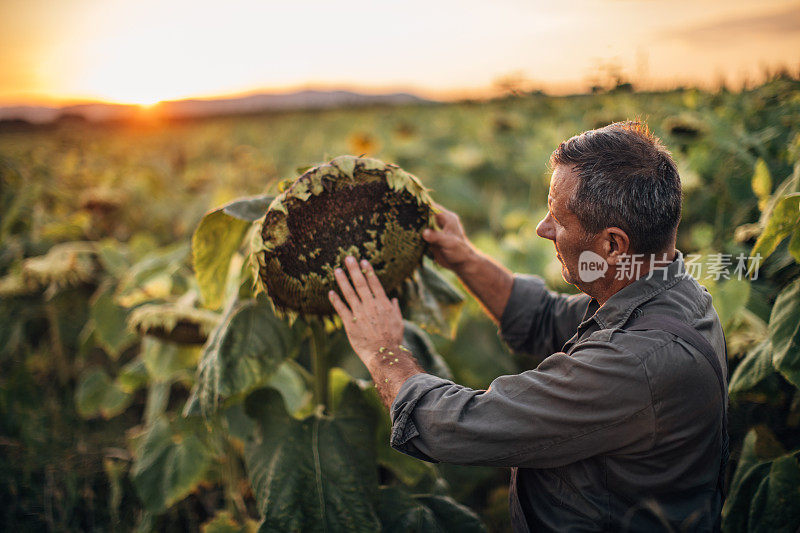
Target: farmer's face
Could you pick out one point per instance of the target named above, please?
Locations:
(562, 226)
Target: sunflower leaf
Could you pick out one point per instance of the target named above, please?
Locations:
(432, 302)
(214, 242)
(316, 474)
(399, 511)
(242, 354)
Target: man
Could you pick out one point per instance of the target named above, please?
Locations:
(623, 426)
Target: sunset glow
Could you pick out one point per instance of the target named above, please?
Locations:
(147, 51)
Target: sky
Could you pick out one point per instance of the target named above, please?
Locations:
(144, 51)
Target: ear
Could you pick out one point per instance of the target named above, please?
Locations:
(615, 244)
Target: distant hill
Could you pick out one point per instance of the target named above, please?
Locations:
(308, 99)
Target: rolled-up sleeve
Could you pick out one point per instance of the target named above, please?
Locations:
(569, 408)
(539, 321)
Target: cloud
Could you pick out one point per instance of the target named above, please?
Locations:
(777, 25)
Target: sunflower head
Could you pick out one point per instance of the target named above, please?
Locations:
(349, 206)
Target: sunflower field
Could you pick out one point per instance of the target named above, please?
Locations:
(146, 386)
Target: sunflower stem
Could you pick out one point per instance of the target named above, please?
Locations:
(319, 363)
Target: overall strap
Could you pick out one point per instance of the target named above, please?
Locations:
(693, 337)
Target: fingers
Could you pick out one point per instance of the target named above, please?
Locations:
(373, 281)
(448, 222)
(359, 281)
(443, 217)
(340, 307)
(350, 295)
(364, 297)
(431, 236)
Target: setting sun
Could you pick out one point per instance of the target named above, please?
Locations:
(148, 51)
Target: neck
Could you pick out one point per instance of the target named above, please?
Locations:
(611, 283)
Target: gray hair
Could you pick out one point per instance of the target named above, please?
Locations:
(627, 179)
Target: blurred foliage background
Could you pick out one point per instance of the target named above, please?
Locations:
(96, 222)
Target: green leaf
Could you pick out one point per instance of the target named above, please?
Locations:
(288, 381)
(794, 245)
(115, 402)
(110, 322)
(214, 242)
(760, 447)
(152, 277)
(748, 457)
(784, 332)
(754, 368)
(760, 444)
(133, 376)
(249, 209)
(113, 257)
(97, 395)
(317, 474)
(736, 511)
(407, 469)
(157, 400)
(171, 460)
(767, 445)
(338, 382)
(416, 340)
(776, 505)
(793, 418)
(90, 392)
(357, 421)
(166, 360)
(242, 353)
(237, 424)
(217, 238)
(789, 185)
(761, 183)
(784, 219)
(432, 302)
(729, 297)
(401, 512)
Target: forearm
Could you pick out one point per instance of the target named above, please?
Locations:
(390, 368)
(487, 280)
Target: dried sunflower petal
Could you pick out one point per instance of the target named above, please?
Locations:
(174, 322)
(350, 206)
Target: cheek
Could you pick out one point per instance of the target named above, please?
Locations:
(567, 243)
(562, 239)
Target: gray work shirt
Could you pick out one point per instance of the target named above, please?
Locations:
(616, 430)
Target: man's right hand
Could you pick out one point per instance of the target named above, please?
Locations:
(449, 246)
(485, 278)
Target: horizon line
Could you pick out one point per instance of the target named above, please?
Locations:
(499, 88)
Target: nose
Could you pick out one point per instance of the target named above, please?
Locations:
(545, 229)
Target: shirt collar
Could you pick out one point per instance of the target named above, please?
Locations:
(617, 310)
